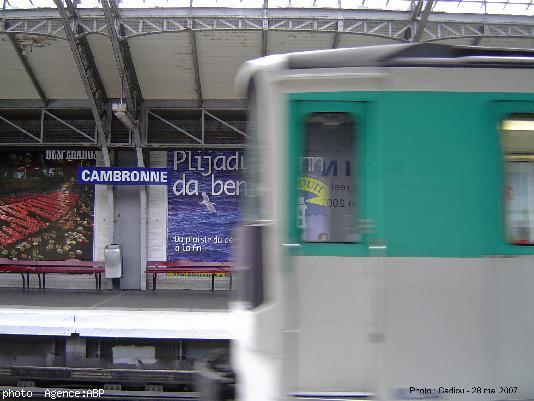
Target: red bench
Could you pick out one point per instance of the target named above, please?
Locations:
(189, 267)
(44, 267)
(71, 266)
(24, 267)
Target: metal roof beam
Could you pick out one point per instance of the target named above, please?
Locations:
(88, 72)
(264, 42)
(24, 60)
(265, 27)
(364, 22)
(225, 123)
(194, 54)
(20, 129)
(420, 18)
(33, 17)
(224, 104)
(125, 64)
(220, 104)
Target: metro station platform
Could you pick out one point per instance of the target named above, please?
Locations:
(183, 314)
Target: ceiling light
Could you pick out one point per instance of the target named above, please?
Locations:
(121, 112)
(517, 125)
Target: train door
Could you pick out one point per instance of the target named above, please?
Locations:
(334, 207)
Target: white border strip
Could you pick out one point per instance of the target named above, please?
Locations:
(116, 323)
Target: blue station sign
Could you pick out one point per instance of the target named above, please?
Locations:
(122, 176)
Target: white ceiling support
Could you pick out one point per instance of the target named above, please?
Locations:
(20, 129)
(208, 146)
(72, 127)
(24, 61)
(340, 24)
(224, 123)
(212, 104)
(264, 27)
(41, 136)
(340, 20)
(420, 18)
(226, 104)
(175, 127)
(476, 40)
(125, 65)
(88, 72)
(381, 23)
(194, 56)
(264, 39)
(37, 104)
(203, 125)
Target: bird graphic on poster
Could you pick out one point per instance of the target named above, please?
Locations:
(206, 201)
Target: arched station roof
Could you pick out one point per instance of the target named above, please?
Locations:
(68, 62)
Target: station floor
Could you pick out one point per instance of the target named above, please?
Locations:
(185, 314)
(184, 300)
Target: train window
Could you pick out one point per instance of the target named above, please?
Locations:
(326, 189)
(517, 134)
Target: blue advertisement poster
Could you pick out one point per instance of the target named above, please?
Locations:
(204, 189)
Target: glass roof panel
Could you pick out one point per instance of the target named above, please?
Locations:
(456, 7)
(504, 7)
(151, 3)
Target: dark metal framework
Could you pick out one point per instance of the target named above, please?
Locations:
(36, 127)
(123, 58)
(387, 24)
(125, 65)
(419, 24)
(420, 18)
(88, 72)
(194, 52)
(163, 127)
(24, 61)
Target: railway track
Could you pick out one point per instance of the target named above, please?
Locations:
(61, 383)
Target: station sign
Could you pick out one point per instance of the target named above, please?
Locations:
(122, 176)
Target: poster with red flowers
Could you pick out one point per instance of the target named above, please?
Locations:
(44, 213)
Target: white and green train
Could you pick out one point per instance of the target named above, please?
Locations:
(388, 225)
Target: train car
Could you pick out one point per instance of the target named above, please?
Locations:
(386, 251)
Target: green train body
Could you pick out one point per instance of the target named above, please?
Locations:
(434, 162)
(393, 267)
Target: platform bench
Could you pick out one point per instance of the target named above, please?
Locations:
(44, 267)
(23, 267)
(71, 266)
(187, 267)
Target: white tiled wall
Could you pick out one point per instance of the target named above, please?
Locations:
(157, 213)
(103, 225)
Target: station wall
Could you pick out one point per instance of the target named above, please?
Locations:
(157, 213)
(45, 214)
(157, 238)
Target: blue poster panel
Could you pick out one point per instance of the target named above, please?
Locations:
(203, 203)
(44, 213)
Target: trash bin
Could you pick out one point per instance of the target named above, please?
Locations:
(113, 261)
